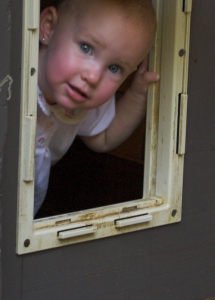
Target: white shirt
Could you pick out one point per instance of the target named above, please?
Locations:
(56, 132)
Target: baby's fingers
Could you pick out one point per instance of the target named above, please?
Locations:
(150, 77)
(142, 80)
(147, 76)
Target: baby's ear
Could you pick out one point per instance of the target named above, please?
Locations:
(48, 19)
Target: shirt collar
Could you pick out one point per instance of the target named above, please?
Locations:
(64, 115)
(42, 103)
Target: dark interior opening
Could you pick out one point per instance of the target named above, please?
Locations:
(83, 179)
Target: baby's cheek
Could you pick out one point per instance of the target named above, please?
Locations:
(56, 70)
(103, 97)
(100, 98)
(109, 90)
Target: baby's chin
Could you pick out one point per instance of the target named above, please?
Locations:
(70, 105)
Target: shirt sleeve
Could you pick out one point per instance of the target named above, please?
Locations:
(42, 170)
(98, 119)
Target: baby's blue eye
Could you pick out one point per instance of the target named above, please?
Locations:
(86, 49)
(114, 69)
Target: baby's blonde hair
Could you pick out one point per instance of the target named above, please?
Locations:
(139, 10)
(137, 6)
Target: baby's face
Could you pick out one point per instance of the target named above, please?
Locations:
(89, 55)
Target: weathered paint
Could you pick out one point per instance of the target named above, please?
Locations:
(8, 79)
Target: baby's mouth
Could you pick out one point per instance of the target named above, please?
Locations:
(77, 90)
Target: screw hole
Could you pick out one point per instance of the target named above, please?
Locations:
(174, 212)
(181, 52)
(33, 71)
(27, 243)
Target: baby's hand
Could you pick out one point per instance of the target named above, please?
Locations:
(130, 111)
(142, 79)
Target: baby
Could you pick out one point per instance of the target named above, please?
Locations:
(87, 49)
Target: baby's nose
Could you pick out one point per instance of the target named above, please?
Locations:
(92, 74)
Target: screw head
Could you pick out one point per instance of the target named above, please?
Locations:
(27, 243)
(181, 52)
(174, 212)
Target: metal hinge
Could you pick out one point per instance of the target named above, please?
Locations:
(182, 121)
(187, 5)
